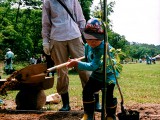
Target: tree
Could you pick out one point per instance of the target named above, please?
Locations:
(20, 29)
(21, 33)
(98, 12)
(86, 4)
(138, 50)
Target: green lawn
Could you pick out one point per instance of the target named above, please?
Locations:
(139, 83)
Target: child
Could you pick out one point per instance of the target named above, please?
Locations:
(94, 51)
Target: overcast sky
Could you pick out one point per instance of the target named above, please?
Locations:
(137, 20)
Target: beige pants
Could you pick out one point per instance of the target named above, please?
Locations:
(61, 51)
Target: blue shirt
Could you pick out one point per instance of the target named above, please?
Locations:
(9, 55)
(95, 63)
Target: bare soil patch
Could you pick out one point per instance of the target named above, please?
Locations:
(8, 112)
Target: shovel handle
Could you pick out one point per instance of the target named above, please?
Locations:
(62, 65)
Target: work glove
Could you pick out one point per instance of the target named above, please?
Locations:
(46, 46)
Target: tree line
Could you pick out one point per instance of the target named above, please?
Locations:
(20, 30)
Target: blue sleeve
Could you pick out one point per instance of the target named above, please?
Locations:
(92, 65)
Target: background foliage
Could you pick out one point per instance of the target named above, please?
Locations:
(20, 30)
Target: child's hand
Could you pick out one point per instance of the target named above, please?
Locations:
(72, 63)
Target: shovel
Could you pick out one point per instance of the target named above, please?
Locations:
(38, 73)
(126, 114)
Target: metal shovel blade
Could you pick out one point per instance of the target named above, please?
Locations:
(129, 115)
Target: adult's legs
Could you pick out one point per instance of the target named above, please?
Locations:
(76, 50)
(59, 54)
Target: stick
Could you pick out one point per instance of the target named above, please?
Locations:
(62, 65)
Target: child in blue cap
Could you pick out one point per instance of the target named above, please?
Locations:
(94, 51)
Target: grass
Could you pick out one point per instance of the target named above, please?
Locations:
(139, 83)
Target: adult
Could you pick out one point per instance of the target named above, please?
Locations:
(32, 60)
(148, 59)
(9, 61)
(62, 39)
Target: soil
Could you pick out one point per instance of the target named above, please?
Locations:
(8, 112)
